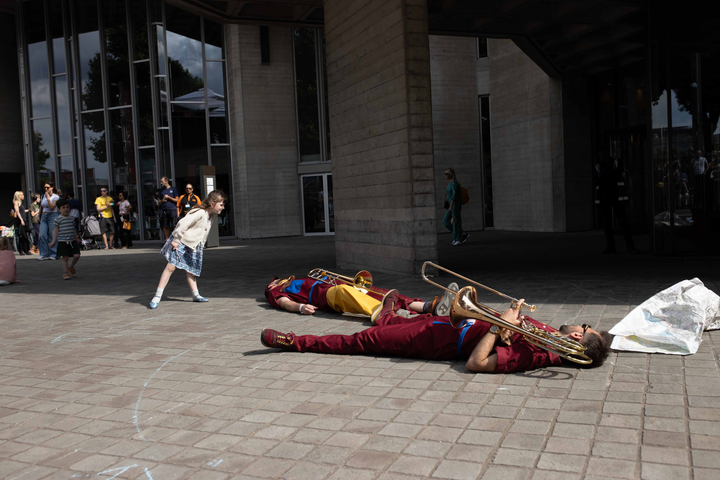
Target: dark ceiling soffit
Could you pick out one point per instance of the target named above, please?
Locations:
(204, 10)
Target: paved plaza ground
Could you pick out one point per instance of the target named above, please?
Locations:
(93, 384)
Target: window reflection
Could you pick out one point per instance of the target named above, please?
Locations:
(189, 141)
(43, 154)
(216, 101)
(223, 176)
(123, 151)
(63, 116)
(96, 168)
(159, 41)
(58, 44)
(150, 182)
(307, 95)
(116, 53)
(138, 19)
(89, 58)
(213, 40)
(313, 203)
(185, 60)
(143, 95)
(37, 58)
(66, 174)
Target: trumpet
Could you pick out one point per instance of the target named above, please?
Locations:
(362, 280)
(513, 301)
(465, 305)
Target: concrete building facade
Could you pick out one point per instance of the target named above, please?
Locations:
(340, 117)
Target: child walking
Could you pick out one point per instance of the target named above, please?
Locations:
(184, 247)
(65, 235)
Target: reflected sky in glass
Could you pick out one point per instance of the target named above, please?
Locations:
(186, 69)
(90, 70)
(39, 79)
(43, 152)
(680, 118)
(95, 153)
(63, 116)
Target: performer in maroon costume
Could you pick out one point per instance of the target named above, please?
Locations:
(307, 294)
(433, 338)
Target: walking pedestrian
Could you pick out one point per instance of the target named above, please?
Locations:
(453, 218)
(184, 247)
(35, 221)
(124, 216)
(65, 236)
(104, 205)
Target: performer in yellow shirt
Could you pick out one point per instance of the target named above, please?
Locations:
(104, 206)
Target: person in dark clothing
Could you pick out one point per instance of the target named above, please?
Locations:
(187, 201)
(21, 223)
(609, 173)
(167, 200)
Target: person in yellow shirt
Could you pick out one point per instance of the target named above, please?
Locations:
(104, 205)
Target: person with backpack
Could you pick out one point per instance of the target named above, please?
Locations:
(453, 204)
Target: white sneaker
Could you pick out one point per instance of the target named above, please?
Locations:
(455, 243)
(42, 258)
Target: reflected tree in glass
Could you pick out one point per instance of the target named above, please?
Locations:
(41, 156)
(307, 95)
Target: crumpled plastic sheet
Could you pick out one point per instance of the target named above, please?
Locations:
(671, 321)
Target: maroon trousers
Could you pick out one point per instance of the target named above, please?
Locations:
(424, 336)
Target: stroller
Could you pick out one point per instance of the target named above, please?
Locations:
(89, 232)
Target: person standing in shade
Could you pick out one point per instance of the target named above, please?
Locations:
(609, 173)
(167, 198)
(124, 215)
(453, 218)
(104, 205)
(35, 221)
(47, 222)
(21, 223)
(187, 201)
(184, 247)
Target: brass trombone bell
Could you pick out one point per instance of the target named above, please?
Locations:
(513, 301)
(362, 280)
(466, 305)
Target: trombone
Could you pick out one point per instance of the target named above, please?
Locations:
(466, 305)
(362, 280)
(513, 301)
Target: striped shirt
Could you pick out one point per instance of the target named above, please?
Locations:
(66, 228)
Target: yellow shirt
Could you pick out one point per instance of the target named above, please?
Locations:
(105, 202)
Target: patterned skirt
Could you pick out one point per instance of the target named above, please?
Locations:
(184, 257)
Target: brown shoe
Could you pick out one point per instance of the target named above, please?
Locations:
(388, 304)
(274, 339)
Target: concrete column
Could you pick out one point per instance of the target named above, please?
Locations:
(456, 124)
(378, 72)
(527, 140)
(264, 134)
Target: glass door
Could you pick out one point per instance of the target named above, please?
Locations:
(317, 204)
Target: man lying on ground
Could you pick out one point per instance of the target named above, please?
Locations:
(433, 338)
(305, 295)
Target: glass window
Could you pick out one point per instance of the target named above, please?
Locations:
(96, 167)
(150, 182)
(313, 203)
(86, 22)
(213, 40)
(223, 176)
(43, 152)
(116, 53)
(184, 50)
(216, 101)
(159, 40)
(123, 151)
(63, 116)
(143, 95)
(66, 174)
(162, 89)
(482, 51)
(37, 59)
(331, 203)
(307, 95)
(189, 141)
(486, 149)
(165, 158)
(56, 27)
(138, 19)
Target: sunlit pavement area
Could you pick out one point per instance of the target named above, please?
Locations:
(93, 384)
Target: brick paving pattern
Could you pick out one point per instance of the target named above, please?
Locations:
(95, 385)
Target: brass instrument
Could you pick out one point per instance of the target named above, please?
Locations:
(513, 301)
(466, 305)
(362, 280)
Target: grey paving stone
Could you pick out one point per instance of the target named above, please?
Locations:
(183, 392)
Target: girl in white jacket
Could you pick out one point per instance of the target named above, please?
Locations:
(184, 248)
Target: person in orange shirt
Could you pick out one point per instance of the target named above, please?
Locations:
(187, 201)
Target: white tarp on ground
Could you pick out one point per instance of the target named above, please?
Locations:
(671, 321)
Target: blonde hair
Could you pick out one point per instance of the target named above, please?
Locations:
(450, 171)
(4, 244)
(16, 197)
